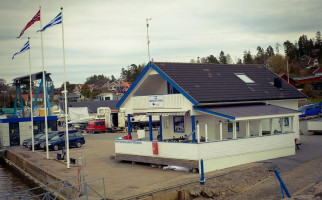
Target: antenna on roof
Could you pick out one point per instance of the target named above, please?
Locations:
(147, 35)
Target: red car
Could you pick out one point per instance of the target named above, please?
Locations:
(97, 126)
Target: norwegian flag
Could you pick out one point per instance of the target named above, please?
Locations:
(32, 21)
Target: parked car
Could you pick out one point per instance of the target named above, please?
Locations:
(97, 126)
(311, 109)
(58, 142)
(36, 136)
(42, 139)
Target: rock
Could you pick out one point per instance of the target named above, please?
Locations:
(195, 192)
(318, 190)
(303, 197)
(208, 192)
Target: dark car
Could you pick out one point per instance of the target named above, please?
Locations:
(58, 142)
(36, 136)
(42, 139)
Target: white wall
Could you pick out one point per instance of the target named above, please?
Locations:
(4, 134)
(24, 131)
(230, 152)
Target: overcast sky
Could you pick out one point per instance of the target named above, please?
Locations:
(104, 36)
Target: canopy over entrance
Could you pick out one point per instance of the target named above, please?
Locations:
(248, 111)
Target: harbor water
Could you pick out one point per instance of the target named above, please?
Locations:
(10, 182)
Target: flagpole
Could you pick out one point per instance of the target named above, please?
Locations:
(44, 88)
(31, 111)
(65, 93)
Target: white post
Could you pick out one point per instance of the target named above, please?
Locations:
(66, 114)
(206, 133)
(31, 110)
(260, 128)
(292, 124)
(234, 130)
(220, 131)
(198, 134)
(271, 126)
(44, 88)
(247, 129)
(282, 125)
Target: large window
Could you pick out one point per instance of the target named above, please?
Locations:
(178, 124)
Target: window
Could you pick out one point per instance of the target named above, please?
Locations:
(107, 98)
(230, 127)
(244, 78)
(171, 89)
(286, 121)
(178, 124)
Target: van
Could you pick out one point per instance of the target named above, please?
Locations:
(97, 126)
(311, 109)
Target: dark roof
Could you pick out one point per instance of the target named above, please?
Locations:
(91, 105)
(212, 83)
(34, 76)
(246, 110)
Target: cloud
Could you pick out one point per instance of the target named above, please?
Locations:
(101, 37)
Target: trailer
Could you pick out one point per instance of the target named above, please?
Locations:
(114, 121)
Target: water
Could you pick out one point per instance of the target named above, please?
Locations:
(10, 182)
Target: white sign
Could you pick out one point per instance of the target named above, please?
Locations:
(156, 101)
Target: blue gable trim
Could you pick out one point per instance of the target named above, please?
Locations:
(11, 120)
(214, 113)
(128, 92)
(174, 85)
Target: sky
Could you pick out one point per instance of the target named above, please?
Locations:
(104, 36)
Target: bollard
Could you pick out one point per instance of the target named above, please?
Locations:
(202, 176)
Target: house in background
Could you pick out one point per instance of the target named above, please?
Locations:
(109, 96)
(226, 115)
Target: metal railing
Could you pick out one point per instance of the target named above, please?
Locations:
(64, 189)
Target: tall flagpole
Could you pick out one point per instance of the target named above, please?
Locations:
(65, 93)
(44, 86)
(31, 111)
(147, 36)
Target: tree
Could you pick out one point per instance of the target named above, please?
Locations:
(247, 58)
(4, 93)
(99, 80)
(212, 59)
(277, 47)
(113, 78)
(277, 63)
(229, 59)
(269, 51)
(303, 45)
(318, 39)
(70, 87)
(131, 73)
(260, 56)
(222, 58)
(290, 50)
(86, 92)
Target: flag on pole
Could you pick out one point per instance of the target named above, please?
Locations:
(56, 20)
(32, 21)
(24, 48)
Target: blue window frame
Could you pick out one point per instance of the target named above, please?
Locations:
(230, 127)
(178, 124)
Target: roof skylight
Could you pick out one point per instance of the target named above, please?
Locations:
(244, 78)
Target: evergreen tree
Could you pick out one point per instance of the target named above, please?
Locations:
(222, 58)
(247, 58)
(269, 51)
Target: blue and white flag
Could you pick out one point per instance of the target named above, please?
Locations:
(24, 48)
(55, 21)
